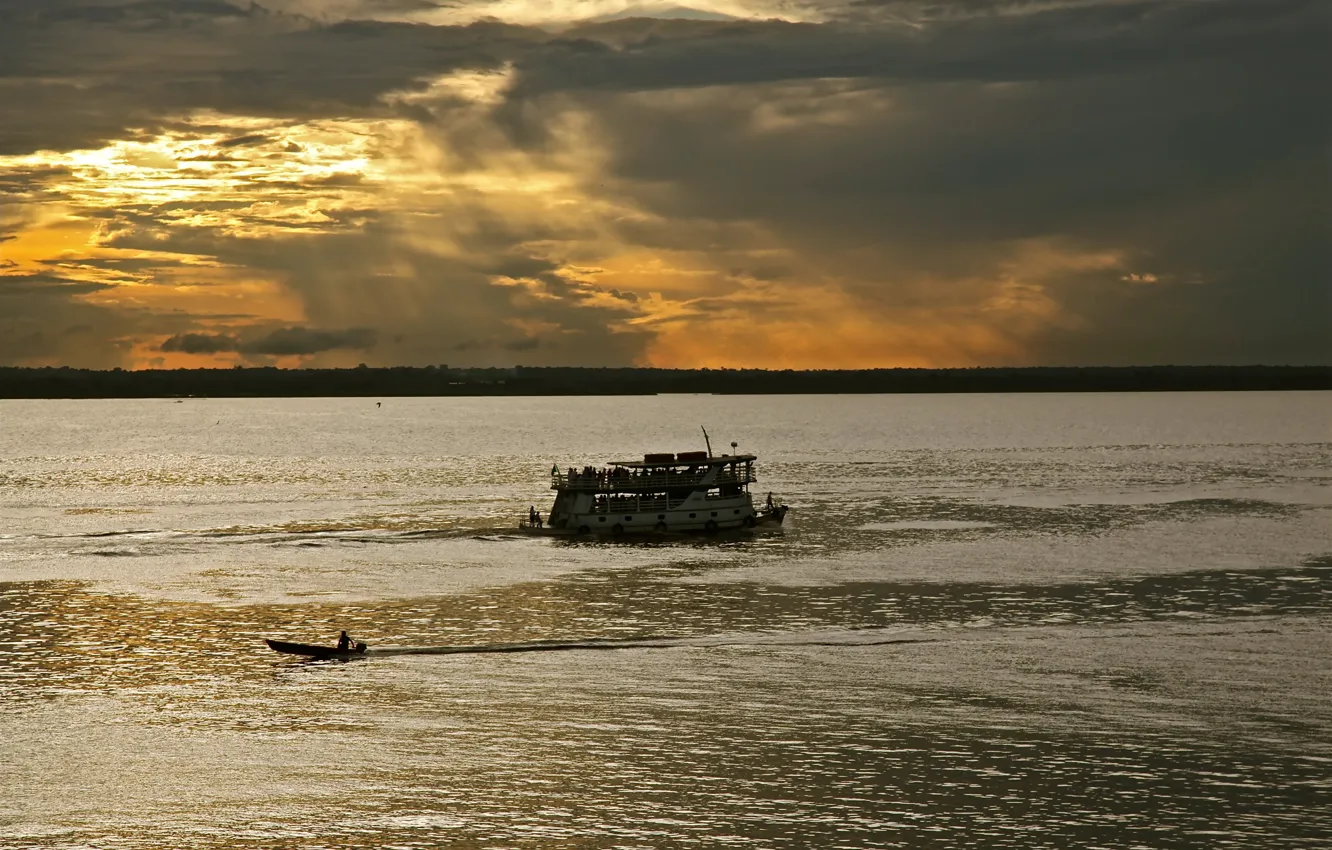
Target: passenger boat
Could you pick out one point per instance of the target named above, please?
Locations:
(308, 650)
(685, 492)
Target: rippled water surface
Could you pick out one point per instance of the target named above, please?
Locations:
(990, 621)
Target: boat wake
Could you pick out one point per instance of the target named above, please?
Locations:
(652, 642)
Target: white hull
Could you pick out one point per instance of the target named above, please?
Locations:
(694, 514)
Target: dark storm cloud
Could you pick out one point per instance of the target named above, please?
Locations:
(79, 91)
(280, 342)
(133, 11)
(432, 304)
(1053, 44)
(45, 319)
(45, 285)
(1191, 136)
(297, 340)
(201, 343)
(25, 183)
(478, 345)
(225, 56)
(244, 141)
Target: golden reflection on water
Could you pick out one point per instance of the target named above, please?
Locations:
(1057, 736)
(65, 631)
(218, 743)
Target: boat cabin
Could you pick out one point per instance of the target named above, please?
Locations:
(689, 491)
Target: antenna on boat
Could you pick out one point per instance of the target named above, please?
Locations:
(706, 440)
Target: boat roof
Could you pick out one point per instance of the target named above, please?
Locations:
(715, 460)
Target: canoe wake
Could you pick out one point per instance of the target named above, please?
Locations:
(649, 642)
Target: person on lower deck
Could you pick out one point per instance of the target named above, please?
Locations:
(533, 518)
(344, 642)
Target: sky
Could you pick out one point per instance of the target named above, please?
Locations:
(723, 183)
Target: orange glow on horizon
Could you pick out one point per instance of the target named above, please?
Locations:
(825, 342)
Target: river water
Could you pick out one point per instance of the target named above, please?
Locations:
(990, 620)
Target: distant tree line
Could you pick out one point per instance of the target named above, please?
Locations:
(64, 382)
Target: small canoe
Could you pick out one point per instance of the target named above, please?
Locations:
(309, 650)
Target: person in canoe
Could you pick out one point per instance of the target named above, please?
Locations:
(345, 642)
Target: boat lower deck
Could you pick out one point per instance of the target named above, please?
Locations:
(600, 525)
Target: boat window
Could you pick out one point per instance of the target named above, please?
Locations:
(714, 513)
(661, 516)
(691, 516)
(628, 518)
(601, 518)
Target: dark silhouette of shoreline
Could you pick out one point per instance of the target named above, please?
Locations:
(267, 382)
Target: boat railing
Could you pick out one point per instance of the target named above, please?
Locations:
(609, 482)
(627, 505)
(717, 497)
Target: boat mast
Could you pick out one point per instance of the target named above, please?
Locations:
(706, 440)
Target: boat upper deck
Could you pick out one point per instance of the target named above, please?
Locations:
(651, 474)
(684, 459)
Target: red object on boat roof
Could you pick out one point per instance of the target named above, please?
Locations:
(692, 456)
(660, 457)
